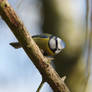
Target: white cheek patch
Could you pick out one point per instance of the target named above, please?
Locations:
(61, 45)
(57, 51)
(52, 44)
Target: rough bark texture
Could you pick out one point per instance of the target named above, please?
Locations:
(32, 50)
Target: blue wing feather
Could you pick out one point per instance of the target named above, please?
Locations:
(41, 36)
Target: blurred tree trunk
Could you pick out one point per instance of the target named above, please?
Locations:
(89, 40)
(58, 20)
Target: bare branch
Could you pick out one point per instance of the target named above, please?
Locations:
(30, 47)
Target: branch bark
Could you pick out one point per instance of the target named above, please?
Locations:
(30, 47)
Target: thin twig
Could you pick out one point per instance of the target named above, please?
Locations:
(40, 86)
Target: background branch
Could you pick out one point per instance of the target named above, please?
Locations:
(88, 34)
(32, 50)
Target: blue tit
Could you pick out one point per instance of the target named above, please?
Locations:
(50, 45)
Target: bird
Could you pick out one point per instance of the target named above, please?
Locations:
(49, 44)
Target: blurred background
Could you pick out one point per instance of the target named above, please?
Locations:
(68, 19)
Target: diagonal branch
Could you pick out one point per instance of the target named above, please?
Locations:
(30, 47)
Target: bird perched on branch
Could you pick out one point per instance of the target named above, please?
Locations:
(50, 45)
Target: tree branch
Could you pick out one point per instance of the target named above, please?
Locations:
(30, 47)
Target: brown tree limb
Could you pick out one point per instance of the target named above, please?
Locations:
(30, 47)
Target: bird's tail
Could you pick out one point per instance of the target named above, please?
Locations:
(16, 45)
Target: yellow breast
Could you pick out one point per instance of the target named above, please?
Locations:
(43, 44)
